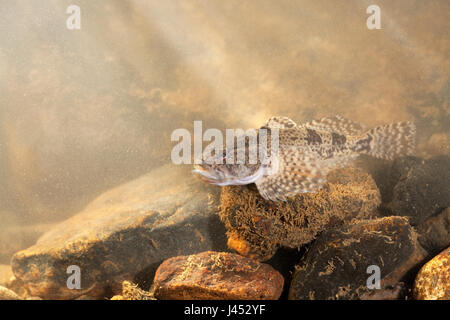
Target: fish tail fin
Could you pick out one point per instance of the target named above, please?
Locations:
(388, 141)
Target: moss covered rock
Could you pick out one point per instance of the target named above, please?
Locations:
(433, 280)
(336, 264)
(256, 227)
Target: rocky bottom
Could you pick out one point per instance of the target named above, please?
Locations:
(382, 232)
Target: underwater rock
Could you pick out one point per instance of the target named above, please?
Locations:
(423, 188)
(130, 291)
(433, 280)
(6, 294)
(256, 227)
(217, 275)
(434, 233)
(336, 264)
(137, 225)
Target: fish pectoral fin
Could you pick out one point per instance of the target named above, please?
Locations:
(336, 124)
(282, 186)
(295, 173)
(280, 123)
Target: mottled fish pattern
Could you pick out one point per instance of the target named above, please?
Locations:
(307, 152)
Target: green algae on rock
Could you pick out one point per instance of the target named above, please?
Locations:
(256, 227)
(127, 229)
(217, 276)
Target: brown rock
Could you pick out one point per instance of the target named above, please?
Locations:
(216, 275)
(434, 233)
(422, 189)
(256, 227)
(433, 280)
(335, 266)
(124, 231)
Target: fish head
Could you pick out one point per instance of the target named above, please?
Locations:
(223, 169)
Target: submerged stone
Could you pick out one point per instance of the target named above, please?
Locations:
(347, 261)
(124, 231)
(434, 233)
(217, 275)
(6, 294)
(422, 188)
(256, 227)
(433, 280)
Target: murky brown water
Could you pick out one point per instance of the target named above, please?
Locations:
(82, 111)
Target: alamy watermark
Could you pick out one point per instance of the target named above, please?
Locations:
(74, 280)
(374, 20)
(373, 282)
(73, 22)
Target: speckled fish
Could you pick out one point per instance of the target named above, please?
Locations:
(306, 153)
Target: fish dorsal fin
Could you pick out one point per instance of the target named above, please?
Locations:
(280, 123)
(336, 124)
(293, 171)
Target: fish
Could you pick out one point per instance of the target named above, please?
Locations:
(305, 154)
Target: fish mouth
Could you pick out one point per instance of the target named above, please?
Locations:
(205, 175)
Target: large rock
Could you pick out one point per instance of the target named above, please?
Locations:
(434, 233)
(217, 275)
(422, 188)
(124, 231)
(335, 266)
(256, 227)
(433, 280)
